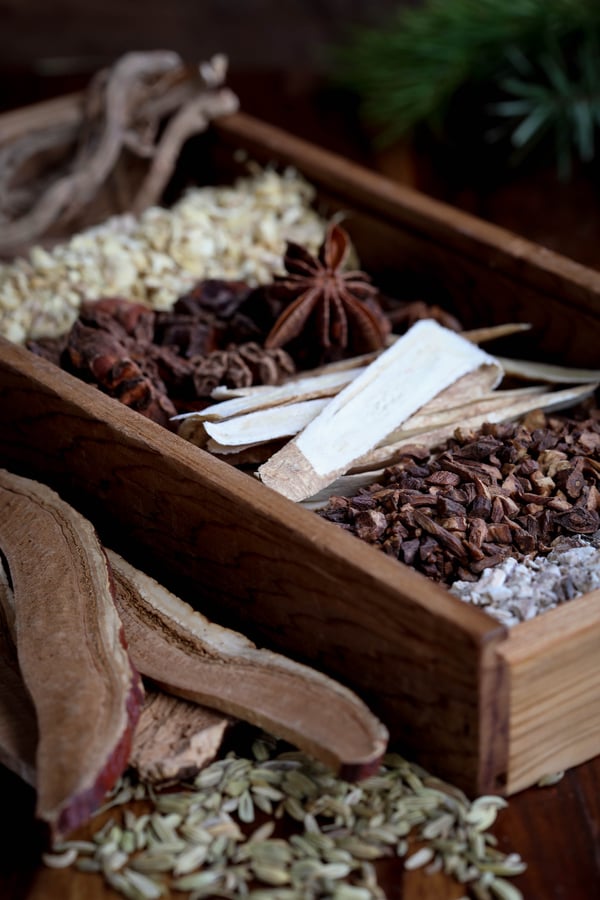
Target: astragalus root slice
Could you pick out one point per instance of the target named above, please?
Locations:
(186, 655)
(420, 364)
(520, 405)
(266, 424)
(71, 651)
(552, 374)
(261, 396)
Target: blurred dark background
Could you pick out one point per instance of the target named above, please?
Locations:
(278, 51)
(280, 62)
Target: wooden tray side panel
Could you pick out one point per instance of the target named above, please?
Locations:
(467, 236)
(554, 691)
(252, 560)
(475, 293)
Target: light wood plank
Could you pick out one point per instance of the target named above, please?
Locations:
(554, 691)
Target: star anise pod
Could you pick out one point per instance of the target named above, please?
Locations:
(326, 303)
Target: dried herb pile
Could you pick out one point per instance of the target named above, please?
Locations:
(228, 332)
(161, 363)
(509, 490)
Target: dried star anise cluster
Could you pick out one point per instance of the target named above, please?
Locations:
(333, 311)
(328, 311)
(505, 491)
(164, 363)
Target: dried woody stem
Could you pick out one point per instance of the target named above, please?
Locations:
(123, 110)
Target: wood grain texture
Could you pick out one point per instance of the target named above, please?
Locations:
(174, 739)
(430, 220)
(554, 691)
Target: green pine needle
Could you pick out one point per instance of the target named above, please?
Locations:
(536, 61)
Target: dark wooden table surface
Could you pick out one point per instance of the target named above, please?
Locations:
(555, 829)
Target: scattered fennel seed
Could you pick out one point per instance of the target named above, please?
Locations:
(193, 840)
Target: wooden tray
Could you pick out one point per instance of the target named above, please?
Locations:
(488, 708)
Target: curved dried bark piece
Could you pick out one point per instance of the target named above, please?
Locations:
(71, 651)
(189, 656)
(18, 724)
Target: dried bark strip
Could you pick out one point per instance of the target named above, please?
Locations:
(186, 655)
(71, 651)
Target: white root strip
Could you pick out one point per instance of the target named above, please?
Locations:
(420, 364)
(263, 397)
(186, 655)
(265, 424)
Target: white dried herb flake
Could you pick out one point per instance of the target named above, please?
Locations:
(230, 232)
(514, 591)
(192, 840)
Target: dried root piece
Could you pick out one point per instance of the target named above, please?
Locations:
(193, 117)
(186, 655)
(537, 371)
(174, 739)
(71, 651)
(410, 373)
(123, 111)
(518, 405)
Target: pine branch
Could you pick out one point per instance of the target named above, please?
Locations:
(408, 71)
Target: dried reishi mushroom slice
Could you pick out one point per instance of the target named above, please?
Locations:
(18, 724)
(189, 656)
(71, 651)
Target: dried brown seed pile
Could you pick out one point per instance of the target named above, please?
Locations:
(508, 490)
